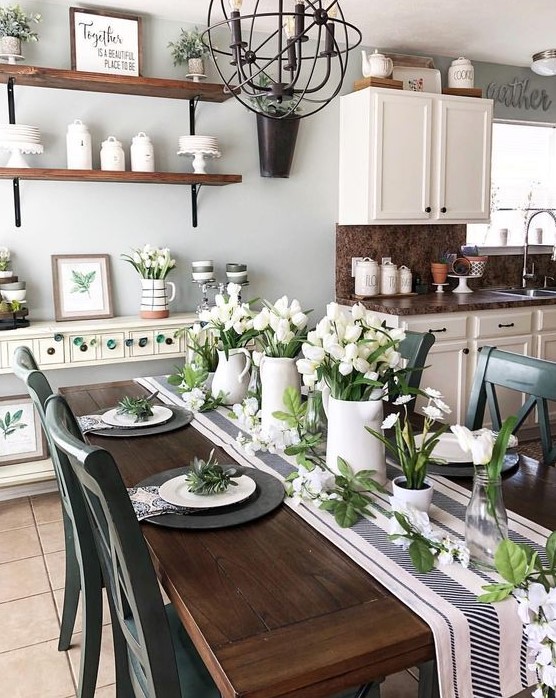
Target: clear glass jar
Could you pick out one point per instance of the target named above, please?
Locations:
(486, 521)
(254, 389)
(315, 418)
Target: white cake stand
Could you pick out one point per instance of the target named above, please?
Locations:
(462, 286)
(17, 149)
(196, 77)
(199, 156)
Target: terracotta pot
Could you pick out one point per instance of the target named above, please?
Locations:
(439, 271)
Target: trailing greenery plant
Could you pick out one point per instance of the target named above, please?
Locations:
(188, 45)
(270, 106)
(208, 477)
(16, 22)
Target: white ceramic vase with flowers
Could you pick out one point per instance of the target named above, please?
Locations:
(281, 329)
(153, 265)
(355, 358)
(232, 322)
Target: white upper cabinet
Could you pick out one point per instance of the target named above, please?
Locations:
(408, 157)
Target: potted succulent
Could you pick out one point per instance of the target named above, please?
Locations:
(277, 128)
(439, 269)
(189, 48)
(15, 27)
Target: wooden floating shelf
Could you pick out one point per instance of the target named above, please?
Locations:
(115, 84)
(211, 180)
(463, 91)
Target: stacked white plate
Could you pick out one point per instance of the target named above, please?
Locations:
(203, 144)
(18, 133)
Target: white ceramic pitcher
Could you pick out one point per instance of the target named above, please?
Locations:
(277, 374)
(232, 375)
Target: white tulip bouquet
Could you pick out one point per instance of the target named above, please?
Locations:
(281, 328)
(151, 262)
(353, 354)
(229, 319)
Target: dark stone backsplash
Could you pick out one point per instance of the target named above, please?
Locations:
(416, 246)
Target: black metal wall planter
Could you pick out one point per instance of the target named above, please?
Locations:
(277, 138)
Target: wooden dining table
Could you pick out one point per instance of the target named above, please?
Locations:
(273, 607)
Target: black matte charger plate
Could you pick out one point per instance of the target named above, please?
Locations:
(267, 497)
(180, 418)
(511, 460)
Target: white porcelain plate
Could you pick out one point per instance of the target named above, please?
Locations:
(160, 415)
(175, 491)
(448, 449)
(418, 79)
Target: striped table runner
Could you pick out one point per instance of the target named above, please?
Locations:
(481, 650)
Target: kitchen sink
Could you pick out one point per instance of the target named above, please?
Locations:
(529, 292)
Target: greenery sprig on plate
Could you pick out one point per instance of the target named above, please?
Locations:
(138, 407)
(208, 477)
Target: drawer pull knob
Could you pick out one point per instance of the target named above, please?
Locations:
(78, 341)
(58, 337)
(428, 209)
(465, 351)
(143, 342)
(83, 347)
(443, 209)
(159, 338)
(50, 351)
(111, 343)
(511, 324)
(169, 340)
(129, 342)
(443, 329)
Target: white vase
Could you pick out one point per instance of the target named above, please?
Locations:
(10, 46)
(348, 438)
(418, 499)
(155, 298)
(232, 376)
(277, 374)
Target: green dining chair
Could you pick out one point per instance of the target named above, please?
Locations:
(534, 378)
(82, 575)
(415, 348)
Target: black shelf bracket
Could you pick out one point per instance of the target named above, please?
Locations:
(195, 188)
(11, 117)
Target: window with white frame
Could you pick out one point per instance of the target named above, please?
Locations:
(523, 180)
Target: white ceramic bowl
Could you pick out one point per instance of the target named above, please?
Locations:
(13, 295)
(203, 263)
(202, 275)
(237, 277)
(13, 286)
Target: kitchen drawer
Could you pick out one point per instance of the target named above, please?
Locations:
(111, 346)
(165, 341)
(503, 324)
(141, 343)
(83, 347)
(442, 327)
(50, 351)
(546, 319)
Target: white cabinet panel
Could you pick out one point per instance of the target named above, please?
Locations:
(503, 324)
(142, 343)
(83, 347)
(443, 327)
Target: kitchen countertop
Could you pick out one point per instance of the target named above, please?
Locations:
(448, 302)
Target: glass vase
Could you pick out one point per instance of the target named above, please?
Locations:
(486, 521)
(315, 419)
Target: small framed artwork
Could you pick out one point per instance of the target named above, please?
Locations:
(105, 42)
(21, 436)
(82, 287)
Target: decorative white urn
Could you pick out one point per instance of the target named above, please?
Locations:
(348, 438)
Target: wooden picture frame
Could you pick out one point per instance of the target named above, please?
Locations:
(21, 435)
(103, 41)
(81, 286)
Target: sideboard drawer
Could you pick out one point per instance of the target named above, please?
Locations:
(83, 347)
(165, 341)
(111, 346)
(12, 346)
(141, 343)
(49, 351)
(503, 324)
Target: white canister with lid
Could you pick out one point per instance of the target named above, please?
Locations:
(388, 279)
(142, 153)
(405, 279)
(78, 147)
(461, 73)
(112, 157)
(366, 277)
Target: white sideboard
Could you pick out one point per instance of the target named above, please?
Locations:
(61, 345)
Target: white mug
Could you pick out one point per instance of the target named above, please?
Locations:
(503, 237)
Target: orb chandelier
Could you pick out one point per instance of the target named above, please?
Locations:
(281, 62)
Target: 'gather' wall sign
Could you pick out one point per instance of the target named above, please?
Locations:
(517, 94)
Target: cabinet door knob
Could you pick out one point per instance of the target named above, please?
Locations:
(443, 209)
(129, 342)
(169, 340)
(428, 209)
(50, 351)
(58, 337)
(143, 342)
(83, 347)
(465, 351)
(111, 344)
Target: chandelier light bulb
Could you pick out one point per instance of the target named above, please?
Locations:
(289, 27)
(333, 11)
(235, 5)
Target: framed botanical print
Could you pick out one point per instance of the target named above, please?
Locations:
(21, 436)
(82, 287)
(103, 41)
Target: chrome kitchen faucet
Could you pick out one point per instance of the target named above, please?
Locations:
(525, 275)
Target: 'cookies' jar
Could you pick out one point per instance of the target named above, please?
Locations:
(78, 147)
(142, 153)
(461, 73)
(112, 157)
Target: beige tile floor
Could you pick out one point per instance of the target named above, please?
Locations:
(31, 594)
